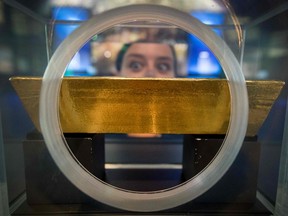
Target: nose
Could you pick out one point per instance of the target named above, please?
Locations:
(150, 70)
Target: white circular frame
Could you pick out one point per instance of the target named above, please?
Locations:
(132, 200)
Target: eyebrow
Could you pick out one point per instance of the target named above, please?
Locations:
(164, 58)
(136, 55)
(161, 58)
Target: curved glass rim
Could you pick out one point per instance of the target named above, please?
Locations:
(132, 200)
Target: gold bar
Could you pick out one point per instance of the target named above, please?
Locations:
(146, 105)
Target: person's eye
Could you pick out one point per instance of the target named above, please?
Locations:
(135, 66)
(163, 67)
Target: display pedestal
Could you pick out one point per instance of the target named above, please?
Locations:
(45, 183)
(239, 184)
(48, 190)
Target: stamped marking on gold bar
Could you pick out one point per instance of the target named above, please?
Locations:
(146, 105)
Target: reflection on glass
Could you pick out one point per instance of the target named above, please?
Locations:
(201, 61)
(80, 65)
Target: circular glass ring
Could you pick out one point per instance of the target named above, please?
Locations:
(131, 200)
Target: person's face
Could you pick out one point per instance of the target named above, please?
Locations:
(148, 60)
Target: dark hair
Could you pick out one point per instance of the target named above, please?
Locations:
(125, 47)
(120, 55)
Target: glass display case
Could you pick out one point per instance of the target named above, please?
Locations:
(143, 107)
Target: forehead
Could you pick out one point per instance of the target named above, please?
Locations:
(150, 50)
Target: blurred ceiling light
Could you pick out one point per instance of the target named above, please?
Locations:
(107, 54)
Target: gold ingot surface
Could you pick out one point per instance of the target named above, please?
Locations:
(146, 105)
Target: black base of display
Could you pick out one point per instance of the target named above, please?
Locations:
(189, 209)
(48, 190)
(239, 184)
